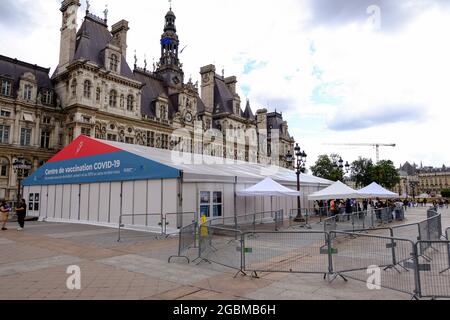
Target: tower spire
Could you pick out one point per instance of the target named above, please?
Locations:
(169, 65)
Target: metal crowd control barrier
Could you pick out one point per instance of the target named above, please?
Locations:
(222, 246)
(162, 220)
(134, 216)
(285, 251)
(182, 219)
(291, 221)
(353, 254)
(249, 222)
(402, 262)
(434, 273)
(358, 221)
(188, 239)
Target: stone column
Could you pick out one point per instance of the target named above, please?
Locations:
(37, 131)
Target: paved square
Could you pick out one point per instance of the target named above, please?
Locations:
(33, 265)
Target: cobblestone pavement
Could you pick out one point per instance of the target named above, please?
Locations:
(33, 265)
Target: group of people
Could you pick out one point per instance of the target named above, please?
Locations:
(339, 206)
(5, 211)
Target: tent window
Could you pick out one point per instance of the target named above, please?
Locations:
(211, 204)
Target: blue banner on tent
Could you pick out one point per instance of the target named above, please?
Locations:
(115, 166)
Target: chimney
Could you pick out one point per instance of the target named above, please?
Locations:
(208, 74)
(231, 84)
(119, 32)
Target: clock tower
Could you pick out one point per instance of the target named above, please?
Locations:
(169, 66)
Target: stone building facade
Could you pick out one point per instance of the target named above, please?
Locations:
(94, 92)
(416, 180)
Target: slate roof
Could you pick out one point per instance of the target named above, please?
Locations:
(152, 89)
(223, 99)
(248, 113)
(274, 120)
(15, 69)
(92, 39)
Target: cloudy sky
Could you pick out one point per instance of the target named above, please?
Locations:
(341, 71)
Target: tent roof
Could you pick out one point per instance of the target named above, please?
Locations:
(338, 190)
(376, 191)
(268, 188)
(151, 163)
(203, 167)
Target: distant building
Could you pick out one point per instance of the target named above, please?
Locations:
(415, 180)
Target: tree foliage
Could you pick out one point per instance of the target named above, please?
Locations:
(385, 174)
(362, 171)
(324, 168)
(445, 193)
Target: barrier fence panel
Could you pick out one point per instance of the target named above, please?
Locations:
(429, 230)
(188, 243)
(434, 273)
(297, 218)
(221, 246)
(353, 254)
(408, 231)
(128, 221)
(286, 251)
(177, 220)
(249, 222)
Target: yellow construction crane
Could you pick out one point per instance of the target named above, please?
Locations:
(375, 145)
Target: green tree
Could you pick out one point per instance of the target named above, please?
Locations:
(362, 171)
(445, 193)
(385, 174)
(324, 168)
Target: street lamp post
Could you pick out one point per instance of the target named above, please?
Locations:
(19, 165)
(341, 166)
(300, 163)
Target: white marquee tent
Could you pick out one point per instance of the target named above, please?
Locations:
(338, 190)
(268, 188)
(95, 181)
(374, 190)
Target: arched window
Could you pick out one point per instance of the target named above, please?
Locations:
(87, 89)
(74, 87)
(130, 103)
(113, 98)
(4, 166)
(114, 63)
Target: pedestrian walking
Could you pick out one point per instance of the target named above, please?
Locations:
(21, 211)
(4, 214)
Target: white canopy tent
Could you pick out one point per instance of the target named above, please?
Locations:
(338, 190)
(268, 188)
(424, 196)
(374, 190)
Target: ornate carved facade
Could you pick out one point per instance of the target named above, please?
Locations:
(94, 92)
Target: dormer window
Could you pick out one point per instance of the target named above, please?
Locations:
(6, 88)
(113, 98)
(47, 97)
(130, 103)
(114, 63)
(28, 92)
(87, 89)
